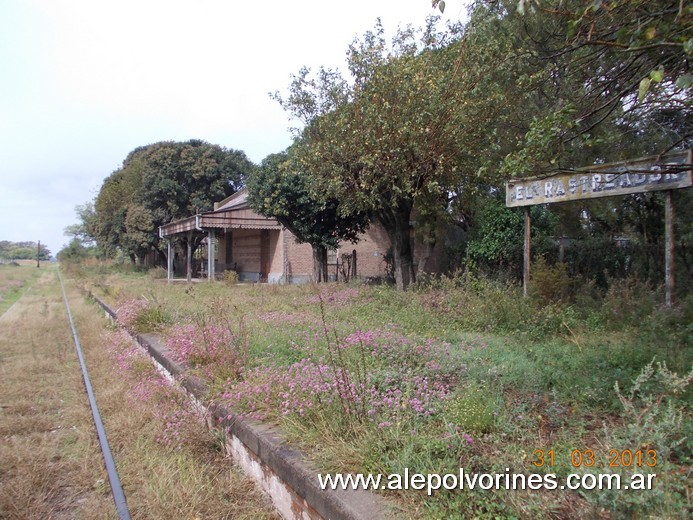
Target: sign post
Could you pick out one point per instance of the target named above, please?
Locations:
(525, 265)
(669, 278)
(660, 173)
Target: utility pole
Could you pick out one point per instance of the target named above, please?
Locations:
(38, 254)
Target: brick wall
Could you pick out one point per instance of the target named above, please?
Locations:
(276, 256)
(221, 250)
(299, 259)
(370, 252)
(246, 250)
(276, 252)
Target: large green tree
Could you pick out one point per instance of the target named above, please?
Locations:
(279, 189)
(620, 74)
(181, 179)
(393, 139)
(110, 208)
(84, 230)
(605, 79)
(159, 183)
(584, 82)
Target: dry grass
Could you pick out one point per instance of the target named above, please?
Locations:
(50, 462)
(14, 280)
(46, 447)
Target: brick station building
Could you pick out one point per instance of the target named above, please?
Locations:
(260, 249)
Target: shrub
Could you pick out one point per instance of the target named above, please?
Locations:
(271, 391)
(142, 316)
(230, 277)
(129, 310)
(549, 283)
(656, 421)
(158, 273)
(199, 345)
(181, 422)
(628, 301)
(151, 319)
(471, 410)
(274, 392)
(377, 377)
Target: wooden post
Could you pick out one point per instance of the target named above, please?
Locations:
(188, 268)
(38, 254)
(561, 249)
(210, 255)
(669, 282)
(525, 266)
(169, 262)
(285, 254)
(673, 171)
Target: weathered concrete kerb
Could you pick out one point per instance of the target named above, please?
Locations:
(281, 471)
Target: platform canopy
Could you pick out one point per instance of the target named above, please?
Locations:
(231, 213)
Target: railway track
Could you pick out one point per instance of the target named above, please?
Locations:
(111, 469)
(51, 465)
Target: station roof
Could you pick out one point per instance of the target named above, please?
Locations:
(231, 213)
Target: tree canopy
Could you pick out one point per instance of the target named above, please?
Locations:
(159, 183)
(280, 190)
(430, 123)
(23, 251)
(618, 71)
(181, 179)
(393, 138)
(427, 126)
(84, 230)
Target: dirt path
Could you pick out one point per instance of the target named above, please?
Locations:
(50, 462)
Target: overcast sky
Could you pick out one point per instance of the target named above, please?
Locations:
(84, 82)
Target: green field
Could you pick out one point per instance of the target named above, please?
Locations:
(459, 372)
(15, 279)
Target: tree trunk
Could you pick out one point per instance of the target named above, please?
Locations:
(428, 251)
(319, 264)
(161, 257)
(396, 224)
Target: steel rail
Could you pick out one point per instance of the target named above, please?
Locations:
(116, 488)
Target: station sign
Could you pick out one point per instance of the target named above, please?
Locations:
(666, 172)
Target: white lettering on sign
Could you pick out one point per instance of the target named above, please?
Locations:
(644, 175)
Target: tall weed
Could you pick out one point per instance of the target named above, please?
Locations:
(658, 424)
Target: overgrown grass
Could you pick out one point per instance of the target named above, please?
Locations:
(458, 372)
(50, 462)
(15, 278)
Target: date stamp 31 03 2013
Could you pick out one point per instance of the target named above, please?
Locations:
(588, 458)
